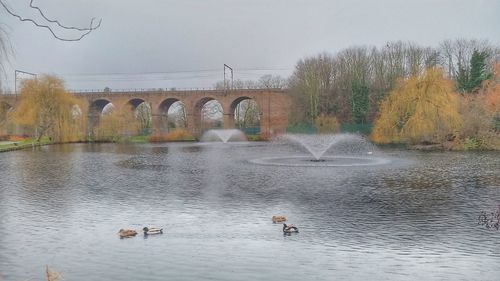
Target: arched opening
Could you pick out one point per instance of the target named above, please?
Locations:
(209, 115)
(134, 103)
(96, 109)
(142, 112)
(97, 106)
(173, 115)
(247, 115)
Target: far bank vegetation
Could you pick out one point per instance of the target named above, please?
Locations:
(398, 93)
(404, 93)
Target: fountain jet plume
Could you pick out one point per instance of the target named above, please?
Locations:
(223, 136)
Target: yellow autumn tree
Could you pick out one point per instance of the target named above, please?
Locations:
(47, 109)
(492, 93)
(421, 109)
(4, 109)
(118, 122)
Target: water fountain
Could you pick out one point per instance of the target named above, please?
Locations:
(220, 135)
(350, 150)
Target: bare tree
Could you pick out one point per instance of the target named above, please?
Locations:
(237, 84)
(455, 55)
(352, 69)
(267, 81)
(212, 114)
(144, 116)
(247, 114)
(272, 82)
(177, 114)
(310, 84)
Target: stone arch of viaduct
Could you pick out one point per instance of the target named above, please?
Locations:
(273, 106)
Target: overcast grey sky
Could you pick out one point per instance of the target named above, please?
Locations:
(254, 36)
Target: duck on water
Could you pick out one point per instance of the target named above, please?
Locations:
(290, 228)
(276, 219)
(127, 233)
(152, 231)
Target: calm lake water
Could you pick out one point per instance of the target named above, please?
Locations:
(412, 219)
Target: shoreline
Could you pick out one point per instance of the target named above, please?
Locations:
(15, 146)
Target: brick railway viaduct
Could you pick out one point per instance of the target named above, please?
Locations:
(273, 106)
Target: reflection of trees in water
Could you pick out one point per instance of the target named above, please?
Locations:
(191, 149)
(426, 194)
(46, 179)
(143, 163)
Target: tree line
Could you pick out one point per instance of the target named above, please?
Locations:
(351, 84)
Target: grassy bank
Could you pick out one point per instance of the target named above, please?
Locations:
(22, 144)
(136, 139)
(28, 143)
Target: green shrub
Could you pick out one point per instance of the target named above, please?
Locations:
(472, 143)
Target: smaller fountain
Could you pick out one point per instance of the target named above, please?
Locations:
(229, 135)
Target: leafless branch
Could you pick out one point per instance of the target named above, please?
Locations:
(5, 50)
(86, 31)
(60, 24)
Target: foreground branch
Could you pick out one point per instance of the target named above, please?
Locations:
(85, 31)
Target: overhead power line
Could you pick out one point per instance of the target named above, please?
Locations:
(173, 72)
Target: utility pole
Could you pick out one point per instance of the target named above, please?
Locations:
(16, 72)
(232, 80)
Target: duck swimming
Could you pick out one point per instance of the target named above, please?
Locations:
(290, 228)
(278, 219)
(127, 233)
(152, 231)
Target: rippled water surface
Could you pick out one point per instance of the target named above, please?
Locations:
(414, 218)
